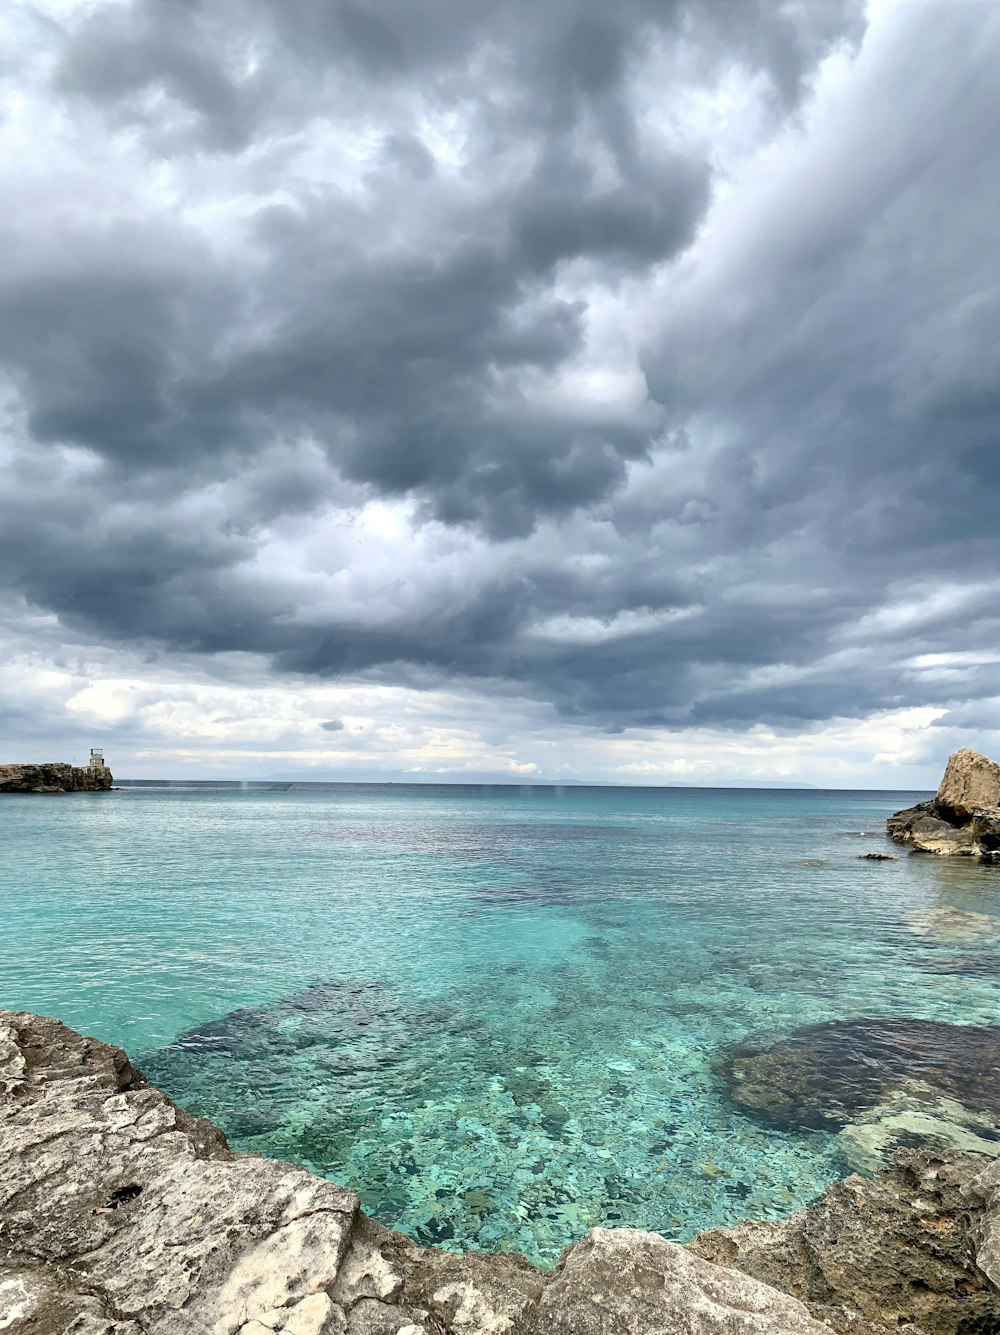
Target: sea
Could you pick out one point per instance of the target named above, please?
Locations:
(501, 1014)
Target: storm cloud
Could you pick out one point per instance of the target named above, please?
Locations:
(640, 361)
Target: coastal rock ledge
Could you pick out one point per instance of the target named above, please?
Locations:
(54, 778)
(120, 1214)
(964, 815)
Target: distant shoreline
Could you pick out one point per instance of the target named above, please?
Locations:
(361, 785)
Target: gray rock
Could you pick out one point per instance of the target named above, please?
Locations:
(900, 825)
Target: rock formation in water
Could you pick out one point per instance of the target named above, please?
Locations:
(964, 815)
(120, 1214)
(881, 1083)
(54, 778)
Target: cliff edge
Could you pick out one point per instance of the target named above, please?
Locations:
(120, 1214)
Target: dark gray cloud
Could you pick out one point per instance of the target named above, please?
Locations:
(333, 725)
(323, 254)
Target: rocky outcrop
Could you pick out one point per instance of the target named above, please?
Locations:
(54, 778)
(122, 1215)
(918, 1248)
(964, 815)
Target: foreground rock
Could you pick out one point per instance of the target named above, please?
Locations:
(122, 1215)
(916, 1248)
(54, 779)
(964, 815)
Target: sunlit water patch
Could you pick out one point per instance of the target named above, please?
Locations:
(504, 1017)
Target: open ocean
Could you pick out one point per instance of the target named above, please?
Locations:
(495, 1012)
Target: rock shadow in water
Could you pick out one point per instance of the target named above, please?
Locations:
(966, 964)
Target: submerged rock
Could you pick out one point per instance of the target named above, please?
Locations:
(248, 1067)
(964, 816)
(916, 1115)
(972, 964)
(954, 925)
(823, 1076)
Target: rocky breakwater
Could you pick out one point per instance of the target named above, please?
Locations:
(120, 1214)
(964, 815)
(54, 778)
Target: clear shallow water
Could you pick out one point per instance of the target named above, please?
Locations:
(494, 1013)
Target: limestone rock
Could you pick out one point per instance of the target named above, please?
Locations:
(621, 1281)
(54, 778)
(897, 1252)
(969, 781)
(964, 816)
(937, 836)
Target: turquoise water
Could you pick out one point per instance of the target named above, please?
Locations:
(494, 1013)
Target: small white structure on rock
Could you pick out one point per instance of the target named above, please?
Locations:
(96, 758)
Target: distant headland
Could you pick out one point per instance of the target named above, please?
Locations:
(93, 777)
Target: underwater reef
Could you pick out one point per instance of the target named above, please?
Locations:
(121, 1214)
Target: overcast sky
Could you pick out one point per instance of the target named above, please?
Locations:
(562, 389)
